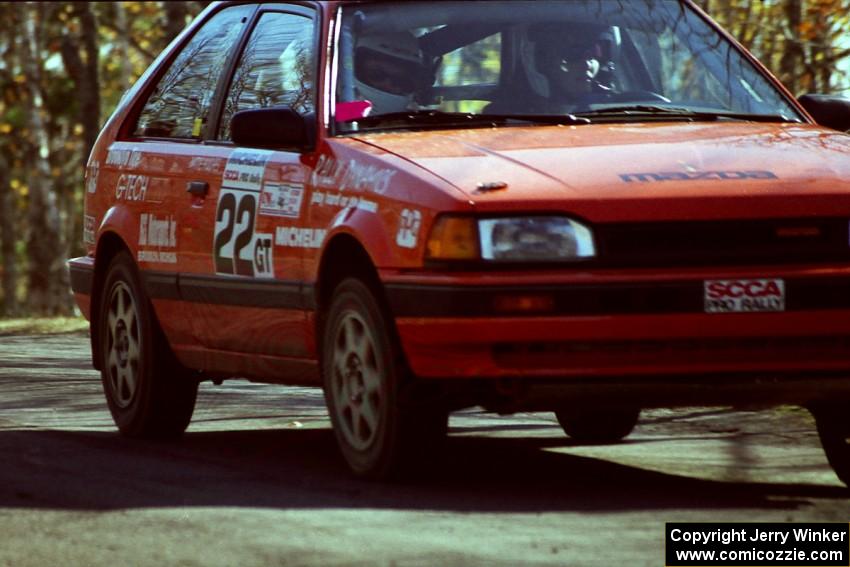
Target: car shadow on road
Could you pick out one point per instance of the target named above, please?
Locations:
(300, 468)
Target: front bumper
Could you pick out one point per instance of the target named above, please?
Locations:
(605, 325)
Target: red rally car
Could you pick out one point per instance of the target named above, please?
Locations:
(586, 207)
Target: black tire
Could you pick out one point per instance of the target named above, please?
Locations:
(381, 433)
(148, 393)
(598, 426)
(833, 423)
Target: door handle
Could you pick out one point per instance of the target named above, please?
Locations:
(199, 188)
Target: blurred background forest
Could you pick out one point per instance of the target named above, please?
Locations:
(65, 65)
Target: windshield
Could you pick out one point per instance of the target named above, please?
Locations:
(456, 62)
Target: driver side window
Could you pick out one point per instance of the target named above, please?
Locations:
(180, 103)
(277, 68)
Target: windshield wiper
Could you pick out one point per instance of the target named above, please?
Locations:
(409, 118)
(653, 111)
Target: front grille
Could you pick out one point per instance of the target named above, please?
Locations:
(701, 243)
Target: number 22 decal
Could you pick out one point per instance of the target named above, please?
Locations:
(234, 216)
(237, 249)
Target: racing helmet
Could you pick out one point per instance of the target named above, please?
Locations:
(388, 70)
(583, 52)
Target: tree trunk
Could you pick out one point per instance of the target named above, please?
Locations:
(791, 63)
(80, 57)
(123, 44)
(8, 238)
(84, 72)
(48, 279)
(175, 19)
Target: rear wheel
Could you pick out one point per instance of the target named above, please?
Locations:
(148, 393)
(379, 429)
(598, 425)
(833, 423)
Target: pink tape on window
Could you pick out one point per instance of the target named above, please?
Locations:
(349, 111)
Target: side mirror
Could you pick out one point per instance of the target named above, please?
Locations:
(830, 111)
(274, 128)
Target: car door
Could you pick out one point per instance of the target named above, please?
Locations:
(248, 296)
(162, 167)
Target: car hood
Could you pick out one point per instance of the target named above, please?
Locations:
(639, 171)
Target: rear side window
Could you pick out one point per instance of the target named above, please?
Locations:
(180, 103)
(277, 68)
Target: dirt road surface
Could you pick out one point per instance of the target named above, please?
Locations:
(256, 481)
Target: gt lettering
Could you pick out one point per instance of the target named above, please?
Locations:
(263, 255)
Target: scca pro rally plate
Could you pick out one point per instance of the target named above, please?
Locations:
(744, 296)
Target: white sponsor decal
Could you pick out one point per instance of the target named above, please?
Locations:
(158, 256)
(245, 169)
(343, 201)
(207, 164)
(408, 230)
(737, 296)
(237, 249)
(89, 223)
(295, 237)
(92, 173)
(155, 231)
(281, 200)
(350, 175)
(121, 158)
(132, 187)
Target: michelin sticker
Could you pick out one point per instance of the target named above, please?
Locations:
(237, 249)
(281, 200)
(294, 237)
(408, 231)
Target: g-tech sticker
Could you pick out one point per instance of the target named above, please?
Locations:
(281, 200)
(696, 176)
(744, 296)
(132, 187)
(408, 231)
(237, 249)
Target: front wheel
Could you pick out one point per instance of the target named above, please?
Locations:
(148, 393)
(379, 430)
(598, 425)
(833, 423)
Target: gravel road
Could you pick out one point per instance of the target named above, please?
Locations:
(257, 481)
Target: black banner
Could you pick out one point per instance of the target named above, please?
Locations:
(758, 545)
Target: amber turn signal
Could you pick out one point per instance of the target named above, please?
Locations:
(453, 238)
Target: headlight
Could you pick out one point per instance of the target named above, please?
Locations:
(510, 239)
